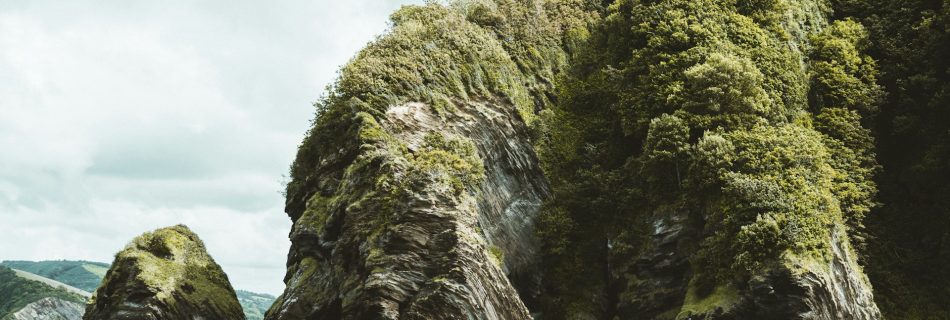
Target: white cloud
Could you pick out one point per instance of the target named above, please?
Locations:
(118, 117)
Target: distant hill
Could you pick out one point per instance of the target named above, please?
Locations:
(17, 292)
(254, 304)
(52, 283)
(84, 275)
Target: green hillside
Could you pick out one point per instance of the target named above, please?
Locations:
(17, 292)
(84, 275)
(254, 304)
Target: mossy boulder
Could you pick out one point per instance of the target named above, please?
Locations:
(165, 274)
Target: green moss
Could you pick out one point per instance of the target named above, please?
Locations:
(700, 107)
(451, 160)
(317, 211)
(497, 256)
(173, 263)
(723, 298)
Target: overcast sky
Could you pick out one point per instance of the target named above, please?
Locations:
(119, 117)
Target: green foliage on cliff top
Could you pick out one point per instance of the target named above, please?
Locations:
(734, 112)
(499, 51)
(754, 117)
(507, 53)
(16, 292)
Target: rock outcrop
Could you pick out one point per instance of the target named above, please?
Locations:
(49, 309)
(417, 193)
(164, 274)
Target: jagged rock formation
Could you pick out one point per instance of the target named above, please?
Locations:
(49, 309)
(415, 193)
(695, 171)
(164, 274)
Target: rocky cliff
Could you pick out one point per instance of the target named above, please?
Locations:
(164, 274)
(588, 160)
(49, 309)
(415, 193)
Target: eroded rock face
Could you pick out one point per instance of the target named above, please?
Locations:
(836, 290)
(415, 194)
(164, 274)
(428, 258)
(49, 309)
(514, 187)
(416, 198)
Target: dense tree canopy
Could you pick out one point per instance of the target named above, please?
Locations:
(910, 233)
(745, 121)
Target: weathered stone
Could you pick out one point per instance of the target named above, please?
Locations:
(49, 309)
(164, 274)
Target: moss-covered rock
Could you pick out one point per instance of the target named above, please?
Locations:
(691, 146)
(708, 160)
(414, 194)
(164, 274)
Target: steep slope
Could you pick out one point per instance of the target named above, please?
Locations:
(84, 275)
(709, 161)
(17, 292)
(910, 250)
(52, 283)
(164, 274)
(49, 309)
(415, 192)
(706, 159)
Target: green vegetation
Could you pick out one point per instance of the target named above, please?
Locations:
(723, 297)
(498, 51)
(507, 53)
(85, 275)
(255, 305)
(910, 234)
(705, 109)
(496, 255)
(762, 130)
(16, 292)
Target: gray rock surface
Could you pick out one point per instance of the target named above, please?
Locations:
(50, 309)
(837, 290)
(428, 259)
(407, 206)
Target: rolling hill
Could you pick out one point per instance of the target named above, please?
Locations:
(17, 291)
(84, 275)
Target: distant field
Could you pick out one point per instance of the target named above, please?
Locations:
(98, 270)
(85, 275)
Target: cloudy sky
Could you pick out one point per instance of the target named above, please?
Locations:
(118, 117)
